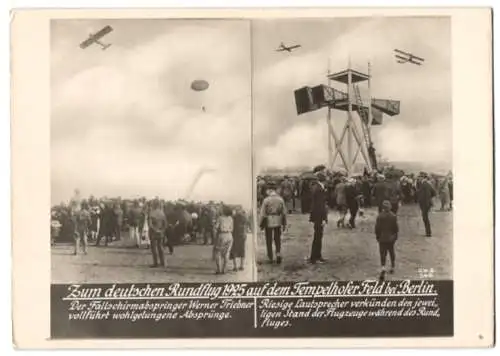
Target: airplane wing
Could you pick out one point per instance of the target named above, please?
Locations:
(402, 52)
(418, 58)
(95, 37)
(402, 58)
(87, 42)
(103, 32)
(280, 50)
(293, 47)
(418, 63)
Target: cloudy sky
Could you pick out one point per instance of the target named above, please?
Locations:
(125, 121)
(422, 131)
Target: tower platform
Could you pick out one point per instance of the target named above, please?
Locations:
(343, 76)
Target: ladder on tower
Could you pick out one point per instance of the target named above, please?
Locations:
(365, 125)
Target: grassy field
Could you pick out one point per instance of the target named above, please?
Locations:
(120, 264)
(353, 254)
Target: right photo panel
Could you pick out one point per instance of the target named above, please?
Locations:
(353, 149)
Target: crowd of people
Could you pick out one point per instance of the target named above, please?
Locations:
(154, 224)
(322, 190)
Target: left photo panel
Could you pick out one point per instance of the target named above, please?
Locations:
(151, 163)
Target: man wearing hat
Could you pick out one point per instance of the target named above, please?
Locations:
(272, 220)
(425, 193)
(157, 223)
(319, 214)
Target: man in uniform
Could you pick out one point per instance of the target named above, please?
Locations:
(157, 223)
(272, 221)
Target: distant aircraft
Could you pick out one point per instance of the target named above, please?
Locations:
(405, 57)
(94, 38)
(282, 48)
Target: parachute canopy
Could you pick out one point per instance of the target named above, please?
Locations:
(199, 85)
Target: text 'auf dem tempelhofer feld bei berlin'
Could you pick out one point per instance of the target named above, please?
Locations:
(254, 290)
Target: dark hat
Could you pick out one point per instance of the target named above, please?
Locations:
(319, 168)
(271, 185)
(386, 205)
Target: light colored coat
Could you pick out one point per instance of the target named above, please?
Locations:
(273, 210)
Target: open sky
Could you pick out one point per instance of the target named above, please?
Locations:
(422, 131)
(125, 122)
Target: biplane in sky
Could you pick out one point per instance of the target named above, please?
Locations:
(405, 57)
(283, 48)
(94, 38)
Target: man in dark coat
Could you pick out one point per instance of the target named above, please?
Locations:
(171, 238)
(106, 228)
(425, 193)
(394, 194)
(117, 221)
(319, 214)
(380, 191)
(367, 191)
(305, 196)
(352, 195)
(208, 217)
(330, 191)
(134, 220)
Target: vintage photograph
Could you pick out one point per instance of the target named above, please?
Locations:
(150, 150)
(353, 144)
(231, 176)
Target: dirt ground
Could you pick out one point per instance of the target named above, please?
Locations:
(353, 254)
(121, 264)
(350, 254)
